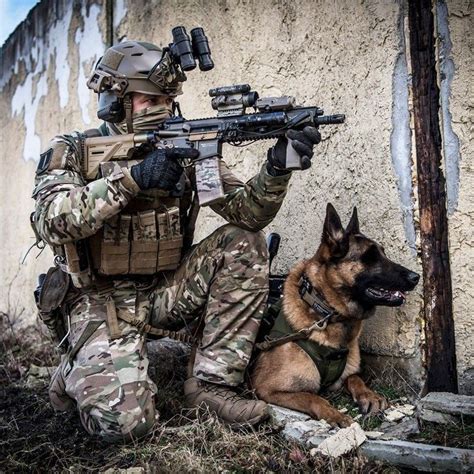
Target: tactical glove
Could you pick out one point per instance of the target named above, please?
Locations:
(161, 168)
(302, 142)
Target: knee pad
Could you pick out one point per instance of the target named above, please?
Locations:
(132, 417)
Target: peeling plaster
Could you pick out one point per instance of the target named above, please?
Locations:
(400, 139)
(28, 95)
(91, 47)
(450, 139)
(120, 10)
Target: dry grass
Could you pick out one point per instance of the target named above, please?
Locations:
(35, 438)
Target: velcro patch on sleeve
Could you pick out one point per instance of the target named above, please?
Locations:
(44, 161)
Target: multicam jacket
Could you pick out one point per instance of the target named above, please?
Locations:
(69, 209)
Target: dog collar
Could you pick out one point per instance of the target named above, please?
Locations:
(316, 302)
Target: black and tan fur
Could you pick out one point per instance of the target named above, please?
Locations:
(343, 269)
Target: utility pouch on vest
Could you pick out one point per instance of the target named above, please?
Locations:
(170, 239)
(49, 296)
(115, 246)
(144, 247)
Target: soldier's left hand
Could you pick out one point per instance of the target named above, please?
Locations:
(302, 141)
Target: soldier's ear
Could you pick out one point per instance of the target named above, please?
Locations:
(334, 236)
(353, 226)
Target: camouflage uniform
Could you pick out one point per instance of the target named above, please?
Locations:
(224, 279)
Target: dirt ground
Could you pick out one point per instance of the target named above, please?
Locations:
(34, 438)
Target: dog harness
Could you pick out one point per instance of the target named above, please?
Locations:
(329, 361)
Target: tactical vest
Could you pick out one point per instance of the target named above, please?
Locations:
(330, 362)
(146, 237)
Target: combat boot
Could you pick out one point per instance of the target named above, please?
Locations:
(230, 407)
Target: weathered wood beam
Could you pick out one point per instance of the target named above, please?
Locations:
(440, 353)
(109, 22)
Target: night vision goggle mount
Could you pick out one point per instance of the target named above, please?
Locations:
(168, 73)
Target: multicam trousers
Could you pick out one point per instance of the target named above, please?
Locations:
(223, 281)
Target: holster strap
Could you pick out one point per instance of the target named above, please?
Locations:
(112, 321)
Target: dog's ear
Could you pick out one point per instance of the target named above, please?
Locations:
(353, 226)
(333, 233)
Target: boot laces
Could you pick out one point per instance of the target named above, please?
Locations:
(224, 392)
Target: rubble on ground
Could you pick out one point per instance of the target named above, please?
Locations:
(389, 441)
(343, 441)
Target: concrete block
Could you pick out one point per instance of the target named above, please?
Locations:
(436, 417)
(421, 457)
(451, 403)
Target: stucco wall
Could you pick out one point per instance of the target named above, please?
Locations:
(345, 56)
(459, 156)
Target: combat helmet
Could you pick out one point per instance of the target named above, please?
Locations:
(132, 66)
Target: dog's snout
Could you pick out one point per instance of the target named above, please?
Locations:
(413, 278)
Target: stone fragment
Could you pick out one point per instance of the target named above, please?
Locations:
(393, 414)
(280, 416)
(448, 403)
(302, 430)
(374, 434)
(436, 417)
(402, 430)
(342, 442)
(357, 417)
(343, 410)
(406, 409)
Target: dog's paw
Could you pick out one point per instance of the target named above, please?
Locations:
(371, 403)
(337, 419)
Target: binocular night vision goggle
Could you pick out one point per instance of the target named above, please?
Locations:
(186, 52)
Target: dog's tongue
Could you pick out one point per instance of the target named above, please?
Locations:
(397, 294)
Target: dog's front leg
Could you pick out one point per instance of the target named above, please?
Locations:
(311, 404)
(367, 399)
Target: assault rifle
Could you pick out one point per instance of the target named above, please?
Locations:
(272, 118)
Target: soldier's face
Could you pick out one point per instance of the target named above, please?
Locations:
(142, 101)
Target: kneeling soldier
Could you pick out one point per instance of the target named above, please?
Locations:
(125, 238)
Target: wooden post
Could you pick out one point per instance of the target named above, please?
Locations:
(109, 22)
(440, 351)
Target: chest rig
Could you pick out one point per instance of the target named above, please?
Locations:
(146, 237)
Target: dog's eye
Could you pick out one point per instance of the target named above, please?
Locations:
(371, 255)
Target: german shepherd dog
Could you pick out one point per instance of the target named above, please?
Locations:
(352, 275)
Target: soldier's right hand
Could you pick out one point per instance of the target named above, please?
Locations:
(161, 168)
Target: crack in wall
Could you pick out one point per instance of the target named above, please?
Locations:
(400, 139)
(450, 140)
